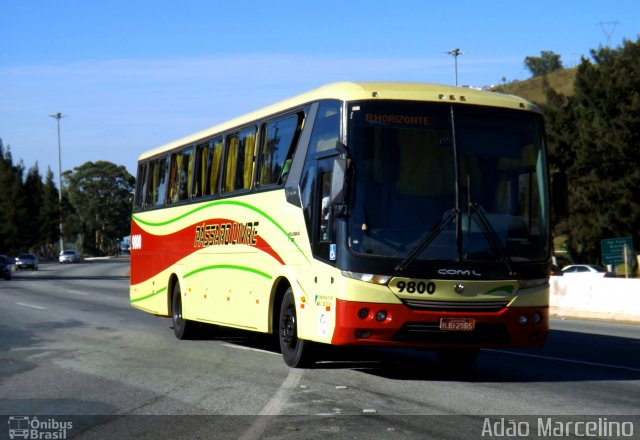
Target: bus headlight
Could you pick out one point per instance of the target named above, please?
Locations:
(367, 277)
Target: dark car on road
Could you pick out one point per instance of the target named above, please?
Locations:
(26, 261)
(5, 267)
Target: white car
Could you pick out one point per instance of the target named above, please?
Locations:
(69, 257)
(587, 270)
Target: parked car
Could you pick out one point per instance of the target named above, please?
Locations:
(69, 257)
(26, 261)
(587, 270)
(5, 267)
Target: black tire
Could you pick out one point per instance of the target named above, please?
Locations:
(458, 360)
(297, 353)
(182, 328)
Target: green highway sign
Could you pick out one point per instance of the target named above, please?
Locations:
(613, 250)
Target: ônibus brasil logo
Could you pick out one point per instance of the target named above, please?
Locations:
(26, 427)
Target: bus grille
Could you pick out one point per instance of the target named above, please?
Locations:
(478, 306)
(430, 333)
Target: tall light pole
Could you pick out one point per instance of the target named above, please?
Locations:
(57, 117)
(456, 52)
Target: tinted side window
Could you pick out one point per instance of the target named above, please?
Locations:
(326, 128)
(276, 149)
(206, 168)
(202, 160)
(141, 184)
(186, 174)
(214, 167)
(239, 161)
(231, 162)
(156, 182)
(180, 175)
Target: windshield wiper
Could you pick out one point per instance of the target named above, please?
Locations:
(427, 240)
(490, 235)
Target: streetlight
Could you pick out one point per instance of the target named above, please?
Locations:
(455, 53)
(57, 117)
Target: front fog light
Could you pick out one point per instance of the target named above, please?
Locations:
(381, 315)
(537, 318)
(523, 319)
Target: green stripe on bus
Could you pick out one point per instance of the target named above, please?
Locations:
(506, 289)
(222, 202)
(142, 298)
(229, 266)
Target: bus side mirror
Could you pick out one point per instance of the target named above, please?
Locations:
(560, 194)
(337, 181)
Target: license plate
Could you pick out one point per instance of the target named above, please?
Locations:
(458, 324)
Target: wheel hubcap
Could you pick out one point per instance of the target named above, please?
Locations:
(288, 327)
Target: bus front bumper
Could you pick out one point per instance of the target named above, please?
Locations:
(396, 325)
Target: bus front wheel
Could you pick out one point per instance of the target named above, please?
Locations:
(296, 352)
(182, 328)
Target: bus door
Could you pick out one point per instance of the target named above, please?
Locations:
(325, 246)
(324, 217)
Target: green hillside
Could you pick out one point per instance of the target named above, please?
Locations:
(560, 80)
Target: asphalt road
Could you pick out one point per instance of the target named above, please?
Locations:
(72, 350)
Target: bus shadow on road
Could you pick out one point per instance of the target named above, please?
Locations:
(567, 357)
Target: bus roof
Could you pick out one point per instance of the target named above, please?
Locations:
(355, 91)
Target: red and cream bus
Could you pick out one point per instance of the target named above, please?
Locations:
(362, 214)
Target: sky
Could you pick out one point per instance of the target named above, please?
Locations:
(132, 75)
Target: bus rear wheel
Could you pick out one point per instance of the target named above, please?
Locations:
(182, 328)
(296, 352)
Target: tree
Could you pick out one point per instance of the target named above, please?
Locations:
(101, 195)
(33, 189)
(547, 62)
(605, 177)
(49, 232)
(560, 124)
(13, 213)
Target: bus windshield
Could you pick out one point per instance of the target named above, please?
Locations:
(447, 182)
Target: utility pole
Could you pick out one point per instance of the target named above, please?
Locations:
(57, 117)
(455, 53)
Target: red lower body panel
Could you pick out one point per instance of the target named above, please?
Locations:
(360, 323)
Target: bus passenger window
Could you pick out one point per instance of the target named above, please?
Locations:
(156, 182)
(246, 151)
(213, 167)
(186, 174)
(141, 184)
(174, 170)
(160, 185)
(239, 166)
(200, 170)
(231, 162)
(277, 145)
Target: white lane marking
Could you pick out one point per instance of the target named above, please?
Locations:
(240, 347)
(569, 361)
(31, 305)
(77, 292)
(273, 406)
